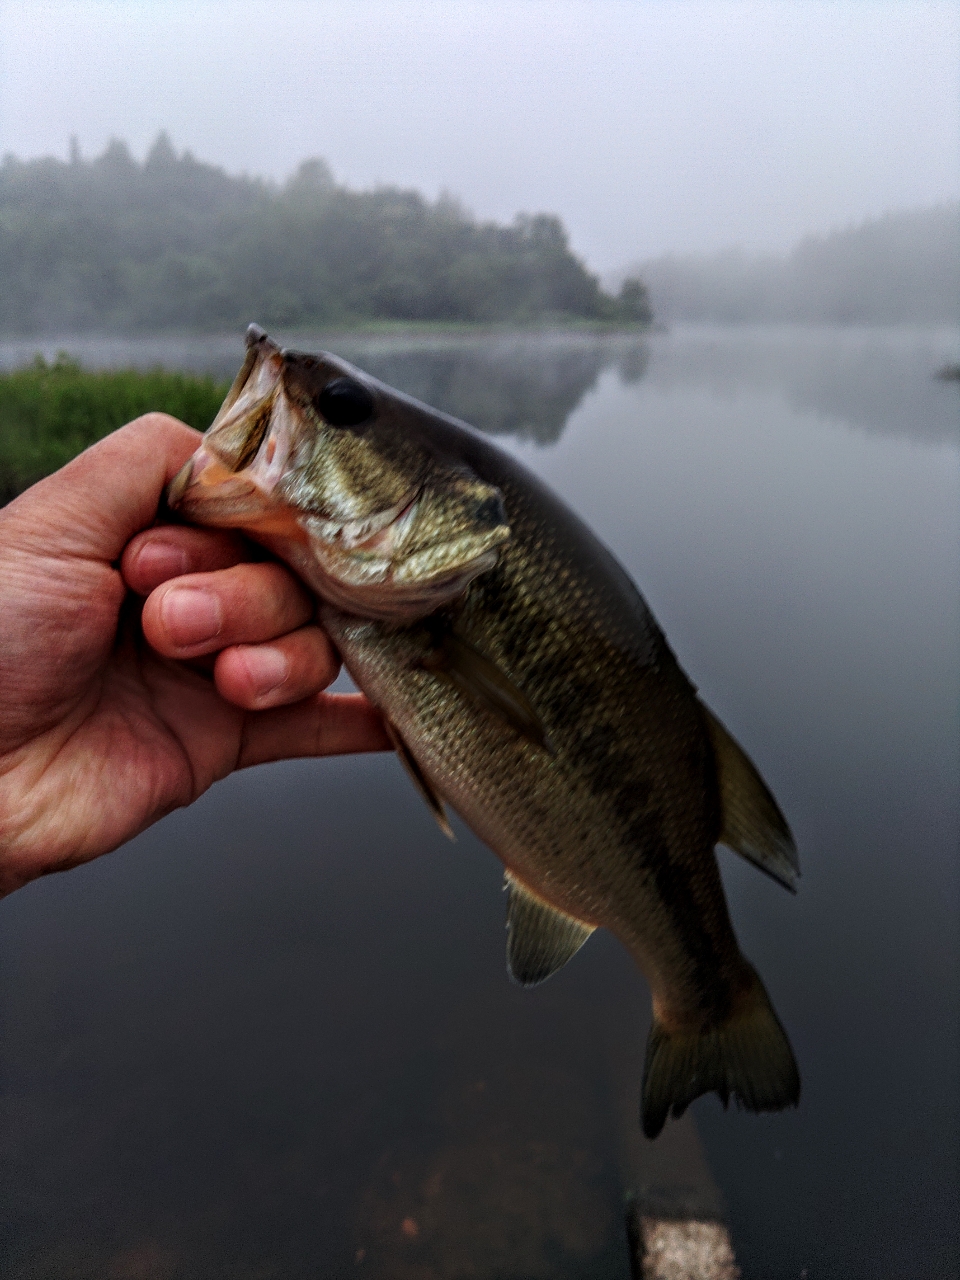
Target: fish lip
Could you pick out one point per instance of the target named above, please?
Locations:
(180, 483)
(205, 486)
(205, 489)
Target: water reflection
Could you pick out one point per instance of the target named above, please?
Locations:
(274, 1036)
(521, 385)
(527, 389)
(528, 385)
(875, 380)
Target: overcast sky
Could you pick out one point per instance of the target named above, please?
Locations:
(649, 125)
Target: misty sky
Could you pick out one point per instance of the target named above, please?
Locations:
(649, 125)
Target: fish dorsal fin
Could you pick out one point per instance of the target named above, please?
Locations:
(540, 939)
(483, 680)
(752, 824)
(419, 779)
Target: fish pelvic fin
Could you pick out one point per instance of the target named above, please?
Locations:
(540, 939)
(419, 779)
(746, 1057)
(752, 824)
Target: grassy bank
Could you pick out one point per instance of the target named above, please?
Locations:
(50, 412)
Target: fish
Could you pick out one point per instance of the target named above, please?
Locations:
(527, 687)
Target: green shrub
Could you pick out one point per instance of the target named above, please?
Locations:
(50, 412)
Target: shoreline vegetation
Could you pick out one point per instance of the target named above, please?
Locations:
(51, 411)
(112, 246)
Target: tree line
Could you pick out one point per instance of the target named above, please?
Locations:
(112, 245)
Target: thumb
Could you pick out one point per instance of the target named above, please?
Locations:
(93, 506)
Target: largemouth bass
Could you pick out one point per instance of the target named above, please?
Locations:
(527, 686)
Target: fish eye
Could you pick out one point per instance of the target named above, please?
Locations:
(344, 403)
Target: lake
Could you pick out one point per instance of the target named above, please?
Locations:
(274, 1036)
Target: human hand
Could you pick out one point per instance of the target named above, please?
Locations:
(114, 710)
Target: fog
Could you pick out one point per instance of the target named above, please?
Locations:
(899, 269)
(648, 127)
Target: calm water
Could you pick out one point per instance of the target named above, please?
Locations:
(274, 1037)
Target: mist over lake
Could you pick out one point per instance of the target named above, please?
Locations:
(277, 1027)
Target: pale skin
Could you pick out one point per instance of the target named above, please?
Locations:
(141, 662)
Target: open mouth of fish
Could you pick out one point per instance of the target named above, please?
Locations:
(206, 489)
(357, 562)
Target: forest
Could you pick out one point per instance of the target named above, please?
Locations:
(111, 245)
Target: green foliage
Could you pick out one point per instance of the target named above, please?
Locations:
(114, 246)
(634, 301)
(50, 412)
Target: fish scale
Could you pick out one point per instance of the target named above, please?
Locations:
(526, 685)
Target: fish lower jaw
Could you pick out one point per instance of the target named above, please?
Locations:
(240, 511)
(208, 492)
(376, 595)
(381, 534)
(363, 583)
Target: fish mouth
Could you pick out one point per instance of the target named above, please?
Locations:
(356, 564)
(207, 491)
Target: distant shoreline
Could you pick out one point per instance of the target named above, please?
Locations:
(358, 329)
(222, 349)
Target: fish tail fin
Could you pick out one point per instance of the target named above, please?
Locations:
(747, 1057)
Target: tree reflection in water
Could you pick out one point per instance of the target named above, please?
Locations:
(526, 387)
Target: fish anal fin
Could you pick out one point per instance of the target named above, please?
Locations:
(484, 681)
(752, 824)
(746, 1057)
(540, 939)
(419, 779)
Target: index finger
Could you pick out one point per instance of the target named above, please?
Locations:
(168, 551)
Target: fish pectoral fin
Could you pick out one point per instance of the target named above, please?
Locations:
(483, 680)
(752, 824)
(540, 939)
(419, 779)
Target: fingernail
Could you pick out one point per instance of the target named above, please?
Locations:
(158, 561)
(191, 615)
(269, 669)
